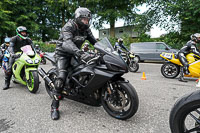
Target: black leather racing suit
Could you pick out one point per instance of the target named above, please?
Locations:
(190, 47)
(15, 44)
(72, 38)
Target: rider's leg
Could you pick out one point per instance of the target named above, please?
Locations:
(7, 81)
(183, 69)
(8, 74)
(62, 64)
(183, 60)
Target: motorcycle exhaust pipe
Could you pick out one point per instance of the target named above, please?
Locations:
(44, 75)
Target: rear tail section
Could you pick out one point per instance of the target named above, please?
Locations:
(171, 57)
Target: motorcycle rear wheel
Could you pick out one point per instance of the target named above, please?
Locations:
(123, 103)
(133, 66)
(170, 70)
(185, 114)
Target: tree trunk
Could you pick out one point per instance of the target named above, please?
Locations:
(112, 28)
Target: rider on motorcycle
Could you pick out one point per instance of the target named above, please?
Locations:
(188, 48)
(37, 48)
(119, 46)
(85, 47)
(16, 43)
(72, 36)
(4, 46)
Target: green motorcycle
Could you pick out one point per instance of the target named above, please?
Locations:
(25, 68)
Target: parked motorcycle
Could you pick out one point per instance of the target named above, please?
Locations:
(43, 60)
(171, 69)
(185, 114)
(5, 60)
(25, 68)
(98, 82)
(129, 58)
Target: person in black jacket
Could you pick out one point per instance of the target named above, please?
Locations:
(72, 36)
(16, 43)
(190, 47)
(4, 47)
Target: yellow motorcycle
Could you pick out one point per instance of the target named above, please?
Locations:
(171, 68)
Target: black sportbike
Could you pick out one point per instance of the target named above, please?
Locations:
(185, 114)
(98, 82)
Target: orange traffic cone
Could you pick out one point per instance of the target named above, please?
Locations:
(143, 76)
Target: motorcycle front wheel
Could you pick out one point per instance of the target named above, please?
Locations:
(33, 82)
(185, 115)
(120, 101)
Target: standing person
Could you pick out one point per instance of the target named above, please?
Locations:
(190, 47)
(72, 36)
(4, 47)
(16, 43)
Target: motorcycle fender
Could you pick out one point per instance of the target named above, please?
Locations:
(27, 70)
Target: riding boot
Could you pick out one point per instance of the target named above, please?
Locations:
(55, 114)
(181, 78)
(7, 81)
(186, 71)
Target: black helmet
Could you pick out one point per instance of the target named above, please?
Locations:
(195, 37)
(21, 29)
(81, 13)
(120, 40)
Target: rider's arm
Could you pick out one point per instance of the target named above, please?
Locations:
(68, 45)
(195, 50)
(90, 37)
(124, 48)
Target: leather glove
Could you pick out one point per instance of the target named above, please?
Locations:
(86, 57)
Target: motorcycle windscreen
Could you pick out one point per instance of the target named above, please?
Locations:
(28, 50)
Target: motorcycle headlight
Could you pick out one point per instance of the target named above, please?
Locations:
(37, 61)
(29, 61)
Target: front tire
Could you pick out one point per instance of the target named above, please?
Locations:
(185, 114)
(122, 103)
(33, 83)
(170, 70)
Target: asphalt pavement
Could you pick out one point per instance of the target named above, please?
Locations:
(23, 112)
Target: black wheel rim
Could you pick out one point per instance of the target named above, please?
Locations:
(119, 103)
(170, 70)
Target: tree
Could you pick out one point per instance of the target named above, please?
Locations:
(110, 11)
(7, 24)
(170, 13)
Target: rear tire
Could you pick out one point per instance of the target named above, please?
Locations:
(133, 66)
(126, 95)
(33, 84)
(170, 70)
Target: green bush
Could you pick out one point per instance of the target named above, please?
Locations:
(45, 47)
